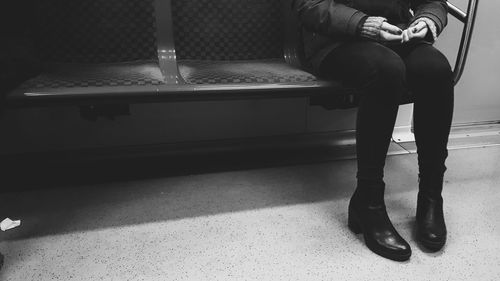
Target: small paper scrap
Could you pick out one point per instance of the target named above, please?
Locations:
(7, 224)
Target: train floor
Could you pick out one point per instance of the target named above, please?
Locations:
(283, 222)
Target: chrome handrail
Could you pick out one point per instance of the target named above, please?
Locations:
(468, 19)
(456, 12)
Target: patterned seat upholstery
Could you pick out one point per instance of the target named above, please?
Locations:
(229, 72)
(95, 31)
(58, 76)
(95, 43)
(227, 29)
(232, 41)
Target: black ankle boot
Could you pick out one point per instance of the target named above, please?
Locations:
(431, 228)
(367, 215)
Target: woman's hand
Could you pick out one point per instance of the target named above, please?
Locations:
(390, 33)
(378, 29)
(417, 31)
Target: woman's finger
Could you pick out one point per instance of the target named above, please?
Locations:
(418, 27)
(386, 36)
(421, 34)
(406, 36)
(391, 28)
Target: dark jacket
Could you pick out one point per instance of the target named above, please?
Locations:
(328, 23)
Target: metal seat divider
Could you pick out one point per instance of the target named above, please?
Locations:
(291, 36)
(166, 45)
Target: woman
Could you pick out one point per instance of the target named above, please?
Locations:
(384, 48)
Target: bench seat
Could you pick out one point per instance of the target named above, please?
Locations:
(163, 51)
(143, 81)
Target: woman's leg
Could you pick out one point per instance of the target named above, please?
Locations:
(379, 73)
(430, 79)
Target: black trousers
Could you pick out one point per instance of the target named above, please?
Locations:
(382, 73)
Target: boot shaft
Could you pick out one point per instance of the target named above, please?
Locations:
(431, 185)
(369, 193)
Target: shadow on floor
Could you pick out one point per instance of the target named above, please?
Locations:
(60, 198)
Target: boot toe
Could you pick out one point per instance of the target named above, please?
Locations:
(398, 247)
(392, 247)
(433, 237)
(432, 241)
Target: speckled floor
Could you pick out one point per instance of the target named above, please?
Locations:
(278, 223)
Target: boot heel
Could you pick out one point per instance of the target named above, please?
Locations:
(353, 225)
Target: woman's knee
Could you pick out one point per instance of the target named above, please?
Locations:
(387, 75)
(383, 69)
(368, 66)
(427, 66)
(390, 72)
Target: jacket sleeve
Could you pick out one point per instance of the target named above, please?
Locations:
(436, 10)
(327, 17)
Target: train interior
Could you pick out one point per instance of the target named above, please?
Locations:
(130, 152)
